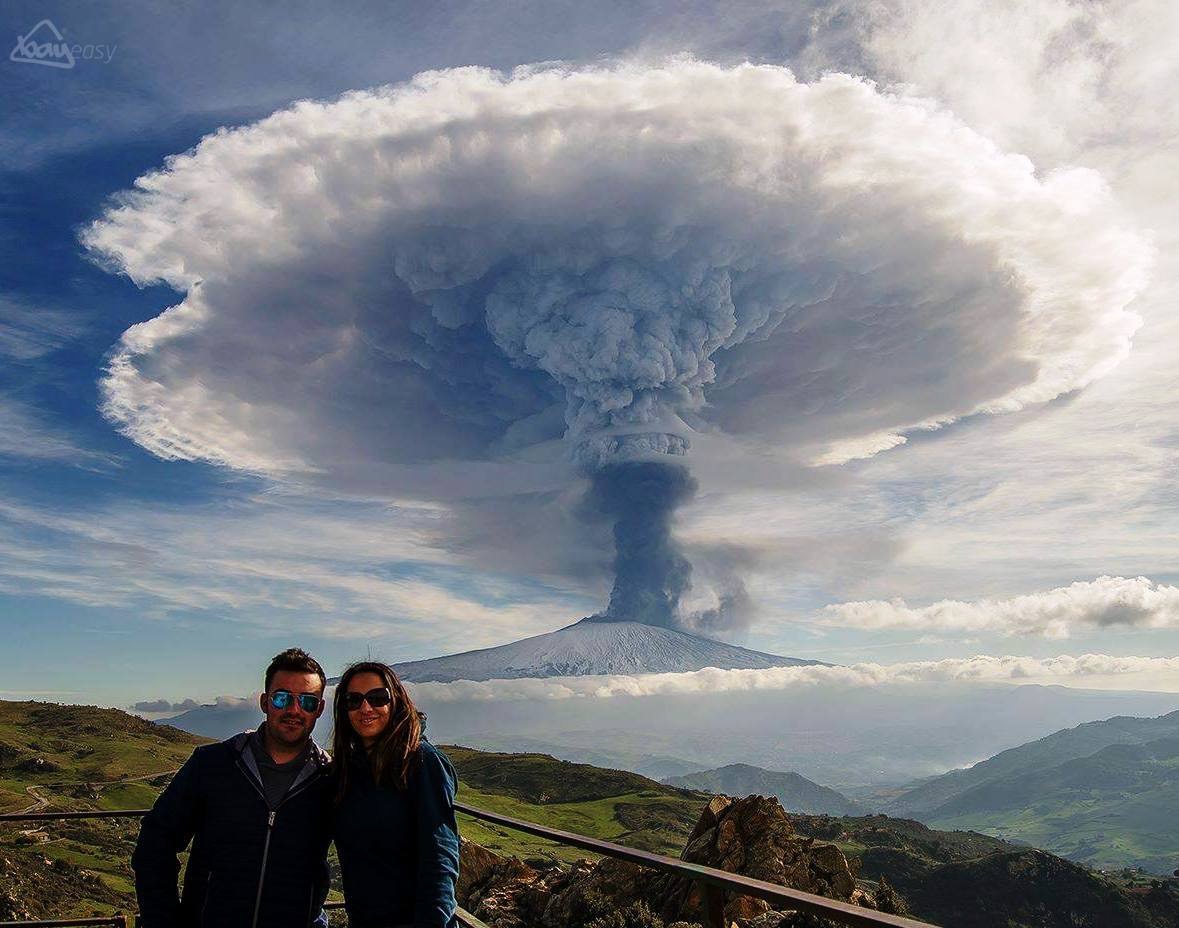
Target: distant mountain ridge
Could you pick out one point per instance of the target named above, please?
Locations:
(794, 791)
(1114, 805)
(1058, 747)
(589, 647)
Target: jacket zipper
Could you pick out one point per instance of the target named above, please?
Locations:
(262, 874)
(269, 830)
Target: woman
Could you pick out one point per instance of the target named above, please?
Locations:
(395, 830)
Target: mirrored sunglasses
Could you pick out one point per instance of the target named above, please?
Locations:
(280, 699)
(376, 698)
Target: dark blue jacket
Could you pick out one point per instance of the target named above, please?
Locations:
(399, 849)
(249, 867)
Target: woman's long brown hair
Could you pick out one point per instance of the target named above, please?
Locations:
(396, 748)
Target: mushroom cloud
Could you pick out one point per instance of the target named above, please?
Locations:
(544, 286)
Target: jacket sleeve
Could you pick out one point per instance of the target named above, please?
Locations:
(166, 830)
(437, 840)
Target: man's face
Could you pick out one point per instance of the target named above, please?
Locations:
(292, 725)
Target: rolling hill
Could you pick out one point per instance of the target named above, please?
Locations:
(968, 880)
(63, 758)
(1104, 794)
(963, 879)
(1117, 807)
(1056, 748)
(794, 791)
(58, 746)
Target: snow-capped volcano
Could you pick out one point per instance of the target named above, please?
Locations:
(592, 647)
(586, 647)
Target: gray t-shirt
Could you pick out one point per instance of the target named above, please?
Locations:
(276, 778)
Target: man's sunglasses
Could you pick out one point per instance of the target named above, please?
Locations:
(376, 698)
(280, 699)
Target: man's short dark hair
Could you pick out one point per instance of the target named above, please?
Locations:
(298, 661)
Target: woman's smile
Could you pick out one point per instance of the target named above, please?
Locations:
(367, 720)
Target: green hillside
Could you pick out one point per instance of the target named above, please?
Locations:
(614, 805)
(1050, 751)
(59, 747)
(794, 791)
(968, 880)
(959, 878)
(1115, 808)
(64, 758)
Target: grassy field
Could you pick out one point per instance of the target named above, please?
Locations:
(649, 822)
(614, 805)
(1104, 832)
(64, 758)
(66, 748)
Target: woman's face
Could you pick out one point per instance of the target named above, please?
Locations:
(368, 721)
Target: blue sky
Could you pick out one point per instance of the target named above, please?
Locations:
(125, 576)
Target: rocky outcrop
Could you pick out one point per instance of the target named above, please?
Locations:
(750, 836)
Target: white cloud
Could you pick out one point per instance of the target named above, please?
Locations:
(1102, 603)
(859, 246)
(1085, 670)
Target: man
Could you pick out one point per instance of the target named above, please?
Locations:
(256, 808)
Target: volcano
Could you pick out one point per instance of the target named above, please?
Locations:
(593, 647)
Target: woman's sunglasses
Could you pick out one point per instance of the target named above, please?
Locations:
(376, 698)
(280, 699)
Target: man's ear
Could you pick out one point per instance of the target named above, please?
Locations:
(322, 706)
(262, 702)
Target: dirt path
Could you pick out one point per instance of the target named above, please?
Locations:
(37, 806)
(121, 780)
(43, 800)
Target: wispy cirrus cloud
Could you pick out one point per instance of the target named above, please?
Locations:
(351, 570)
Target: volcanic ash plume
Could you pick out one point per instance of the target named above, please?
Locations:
(478, 285)
(651, 574)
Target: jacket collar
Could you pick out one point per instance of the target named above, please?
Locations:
(318, 760)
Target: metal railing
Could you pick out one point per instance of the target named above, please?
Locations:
(713, 882)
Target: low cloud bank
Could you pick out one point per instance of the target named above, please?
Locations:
(163, 705)
(1102, 603)
(1158, 672)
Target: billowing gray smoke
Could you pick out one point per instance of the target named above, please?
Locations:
(651, 574)
(475, 291)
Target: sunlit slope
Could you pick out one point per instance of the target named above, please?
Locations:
(55, 746)
(611, 804)
(1117, 807)
(1033, 757)
(60, 758)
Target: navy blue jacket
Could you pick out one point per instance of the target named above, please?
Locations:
(399, 849)
(249, 867)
